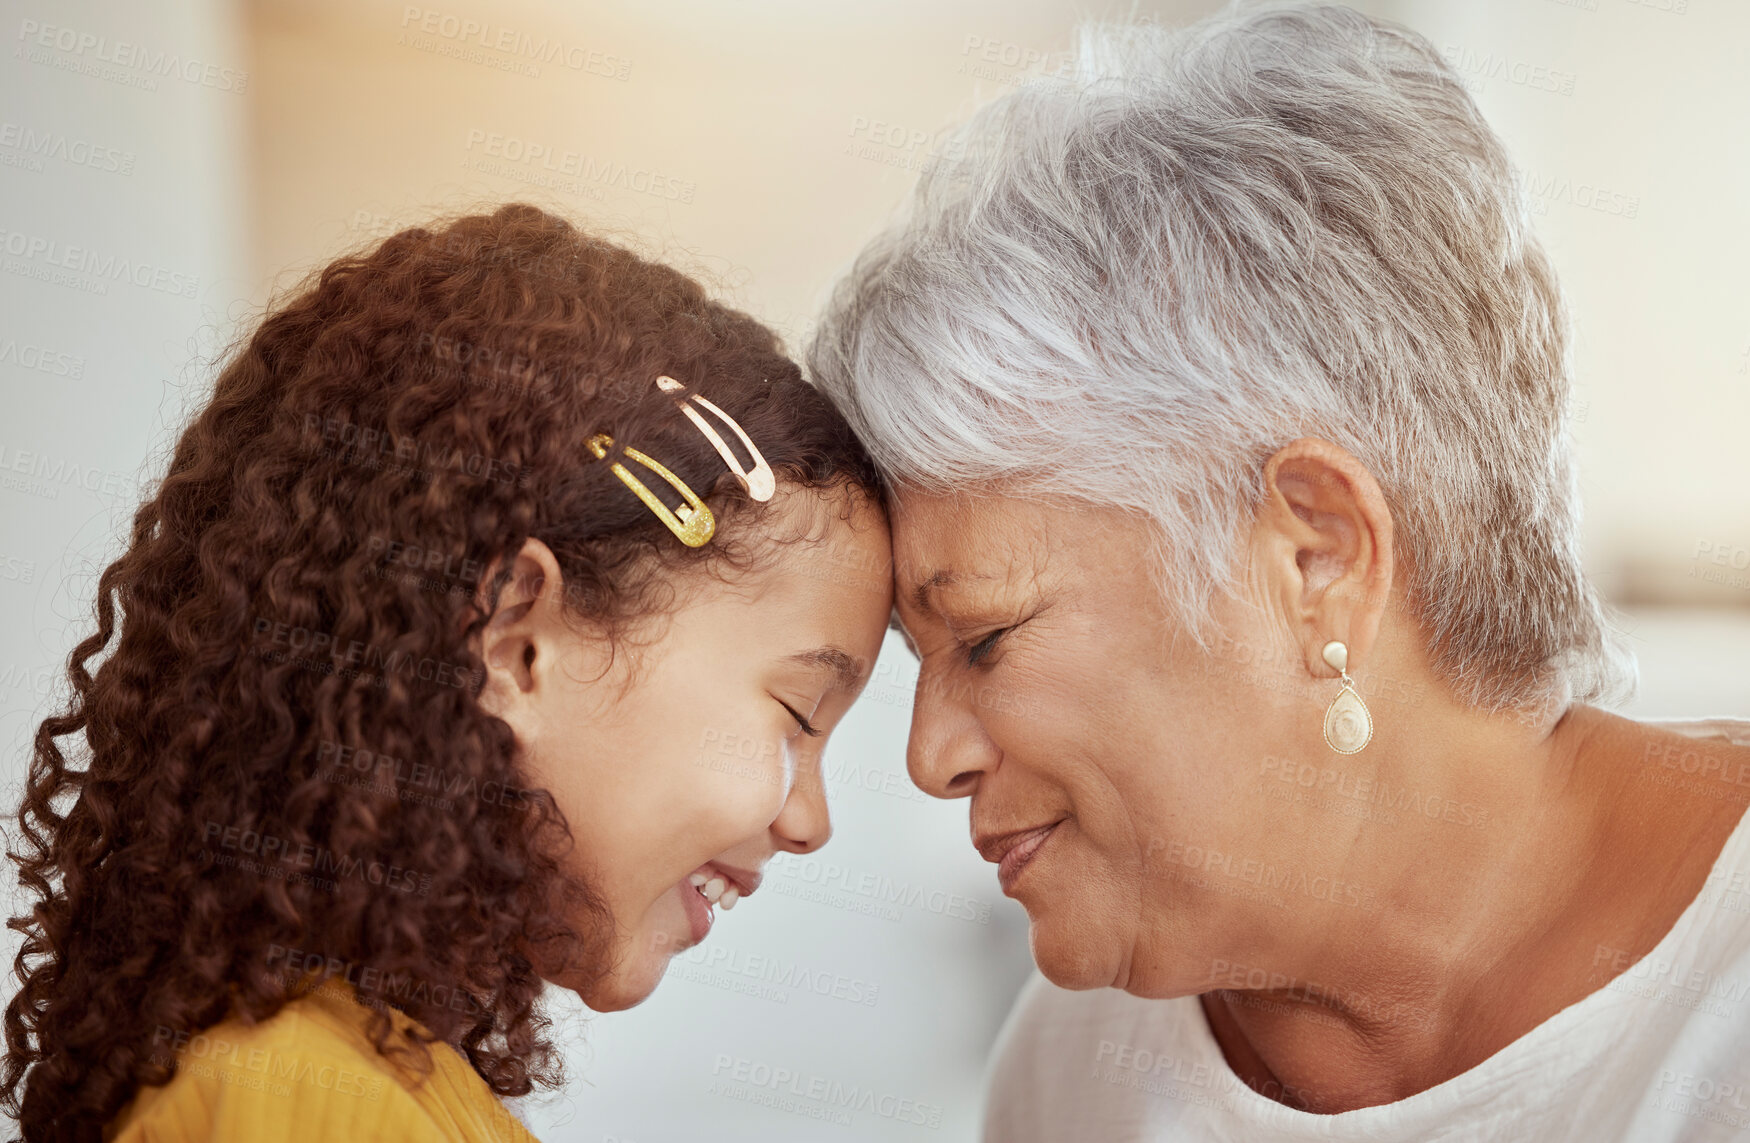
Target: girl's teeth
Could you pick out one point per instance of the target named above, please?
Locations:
(716, 890)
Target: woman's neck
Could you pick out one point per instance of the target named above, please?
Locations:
(1481, 935)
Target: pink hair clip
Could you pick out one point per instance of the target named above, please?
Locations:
(693, 522)
(759, 483)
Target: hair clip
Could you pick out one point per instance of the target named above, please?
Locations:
(692, 521)
(760, 483)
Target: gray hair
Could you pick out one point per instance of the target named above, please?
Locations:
(1133, 285)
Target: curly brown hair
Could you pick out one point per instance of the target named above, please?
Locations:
(295, 610)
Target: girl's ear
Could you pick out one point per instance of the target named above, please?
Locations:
(519, 642)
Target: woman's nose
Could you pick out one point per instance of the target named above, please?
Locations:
(948, 748)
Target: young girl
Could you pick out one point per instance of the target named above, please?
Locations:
(485, 631)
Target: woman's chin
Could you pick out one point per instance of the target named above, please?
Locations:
(1067, 959)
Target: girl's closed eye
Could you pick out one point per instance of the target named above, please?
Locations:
(808, 728)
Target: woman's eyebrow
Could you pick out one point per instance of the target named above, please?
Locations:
(845, 671)
(920, 595)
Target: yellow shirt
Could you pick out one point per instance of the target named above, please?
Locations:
(310, 1072)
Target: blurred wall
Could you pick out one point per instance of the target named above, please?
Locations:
(758, 146)
(123, 259)
(1631, 122)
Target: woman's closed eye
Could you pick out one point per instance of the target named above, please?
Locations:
(976, 653)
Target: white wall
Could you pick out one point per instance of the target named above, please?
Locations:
(122, 206)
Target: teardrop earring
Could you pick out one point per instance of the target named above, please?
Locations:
(1348, 723)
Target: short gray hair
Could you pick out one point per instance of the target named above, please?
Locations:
(1133, 285)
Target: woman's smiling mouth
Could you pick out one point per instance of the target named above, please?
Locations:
(1011, 852)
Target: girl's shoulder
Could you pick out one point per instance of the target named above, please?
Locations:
(311, 1071)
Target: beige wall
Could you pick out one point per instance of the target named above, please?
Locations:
(759, 145)
(776, 137)
(1638, 162)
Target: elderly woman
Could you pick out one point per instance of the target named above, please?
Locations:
(1222, 394)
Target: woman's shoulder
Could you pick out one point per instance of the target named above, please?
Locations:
(1703, 764)
(1733, 730)
(310, 1071)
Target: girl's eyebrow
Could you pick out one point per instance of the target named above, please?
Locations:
(846, 674)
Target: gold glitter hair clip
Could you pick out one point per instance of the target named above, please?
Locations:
(693, 521)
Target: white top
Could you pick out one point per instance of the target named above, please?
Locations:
(1659, 1054)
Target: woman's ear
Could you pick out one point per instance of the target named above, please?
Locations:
(519, 642)
(1322, 548)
